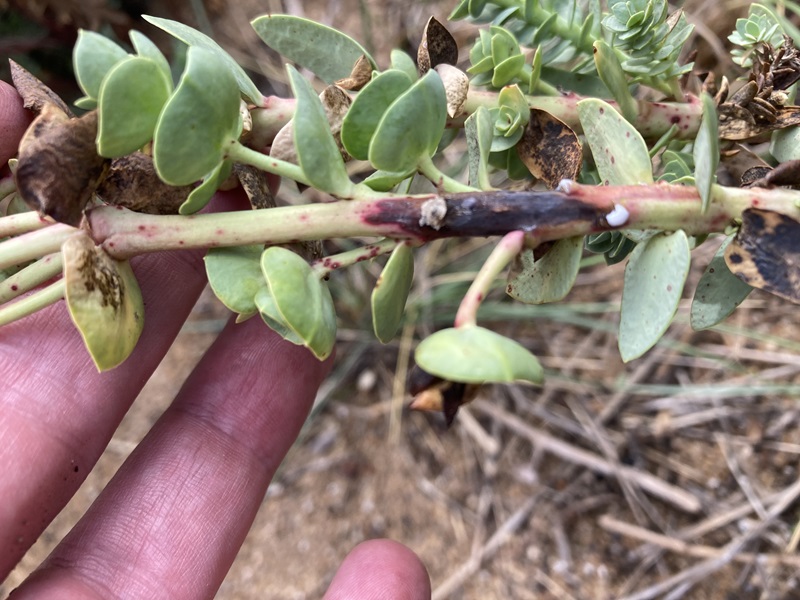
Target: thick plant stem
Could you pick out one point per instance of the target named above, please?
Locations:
(22, 223)
(578, 210)
(33, 303)
(653, 119)
(33, 245)
(505, 251)
(31, 276)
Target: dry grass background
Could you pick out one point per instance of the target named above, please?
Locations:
(674, 476)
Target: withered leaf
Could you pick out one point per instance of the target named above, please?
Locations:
(59, 168)
(550, 149)
(766, 253)
(436, 47)
(254, 182)
(34, 93)
(738, 124)
(456, 87)
(786, 174)
(103, 299)
(434, 394)
(359, 76)
(336, 102)
(132, 182)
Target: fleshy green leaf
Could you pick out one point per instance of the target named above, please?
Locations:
(706, 151)
(201, 195)
(384, 181)
(272, 317)
(197, 39)
(785, 144)
(235, 276)
(390, 293)
(479, 129)
(317, 152)
(199, 121)
(368, 108)
(614, 78)
(550, 278)
(618, 148)
(146, 48)
(411, 127)
(654, 279)
(718, 292)
(326, 52)
(93, 57)
(473, 354)
(103, 299)
(301, 300)
(131, 98)
(401, 61)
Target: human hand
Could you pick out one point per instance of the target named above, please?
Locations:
(170, 522)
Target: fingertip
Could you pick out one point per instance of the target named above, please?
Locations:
(14, 120)
(380, 570)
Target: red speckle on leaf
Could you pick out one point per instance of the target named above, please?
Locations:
(479, 298)
(602, 110)
(180, 242)
(613, 160)
(675, 119)
(627, 134)
(303, 218)
(669, 288)
(142, 227)
(219, 231)
(14, 288)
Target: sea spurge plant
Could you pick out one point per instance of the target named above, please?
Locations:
(614, 145)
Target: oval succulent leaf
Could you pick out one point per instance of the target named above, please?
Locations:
(131, 98)
(199, 121)
(368, 108)
(197, 39)
(411, 127)
(93, 57)
(479, 130)
(473, 354)
(550, 278)
(718, 292)
(390, 293)
(235, 276)
(103, 299)
(317, 152)
(202, 194)
(618, 149)
(326, 52)
(145, 47)
(654, 280)
(302, 301)
(270, 314)
(706, 151)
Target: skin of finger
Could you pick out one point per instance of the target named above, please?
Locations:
(380, 570)
(58, 413)
(14, 120)
(171, 521)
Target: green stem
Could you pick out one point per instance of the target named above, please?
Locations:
(439, 179)
(31, 276)
(242, 154)
(323, 266)
(22, 223)
(505, 251)
(33, 303)
(33, 245)
(653, 119)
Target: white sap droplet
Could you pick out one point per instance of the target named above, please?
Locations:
(618, 216)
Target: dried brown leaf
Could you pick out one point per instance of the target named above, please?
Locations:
(359, 76)
(550, 149)
(766, 253)
(132, 182)
(437, 47)
(34, 93)
(456, 86)
(59, 168)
